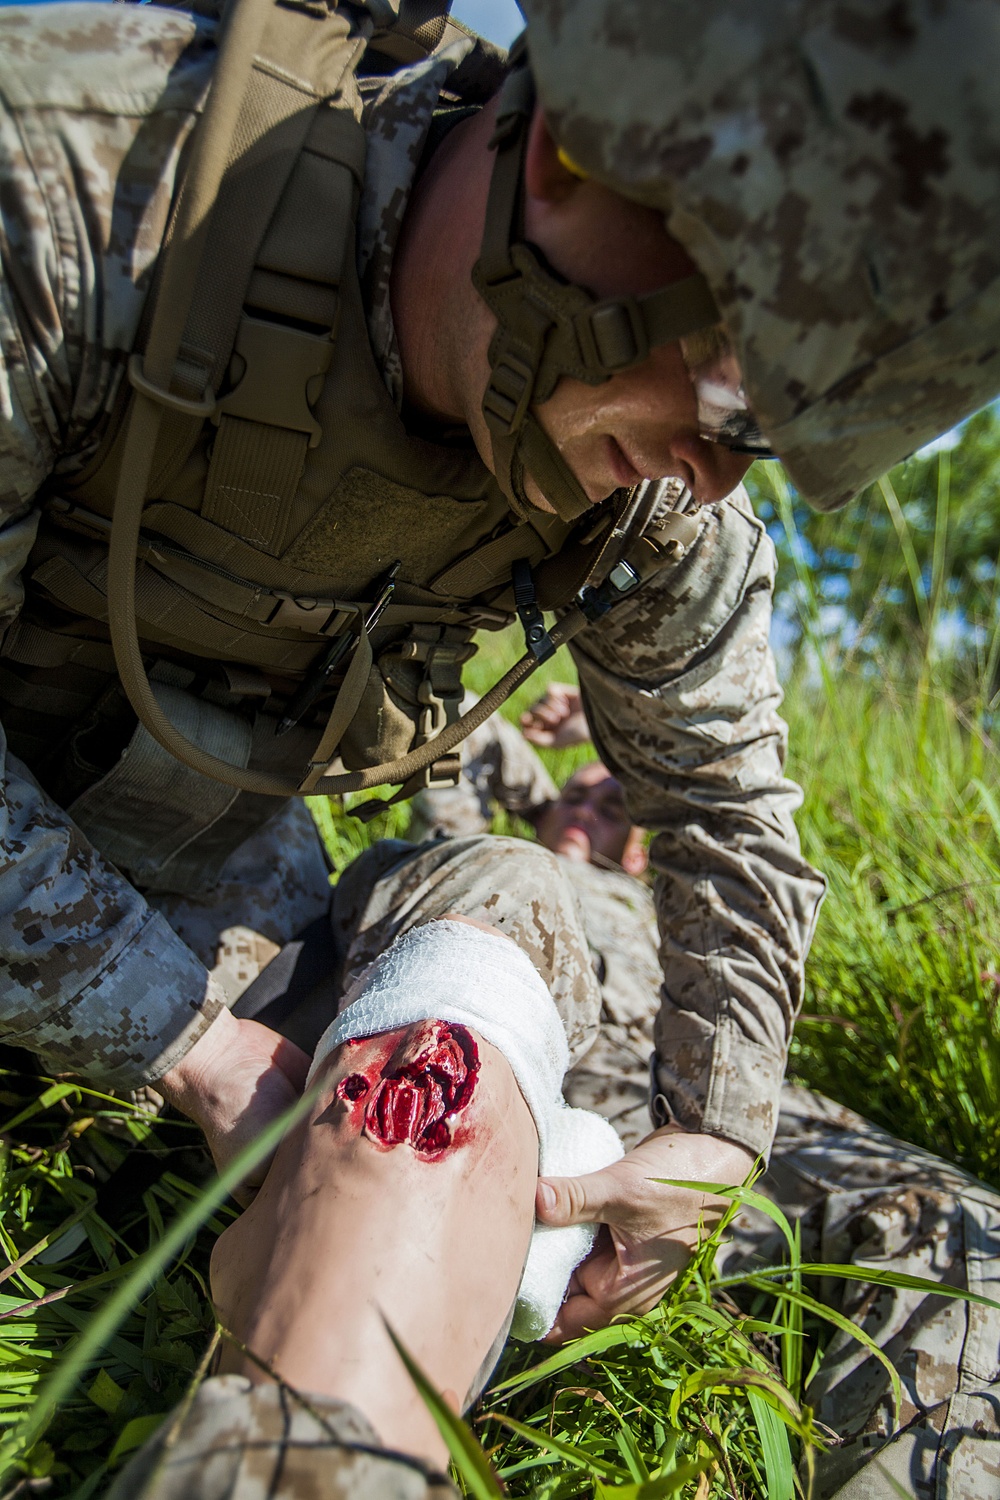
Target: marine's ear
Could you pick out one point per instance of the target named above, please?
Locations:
(546, 174)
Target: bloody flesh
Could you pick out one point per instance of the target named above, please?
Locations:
(428, 1078)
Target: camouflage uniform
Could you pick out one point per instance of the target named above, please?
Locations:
(858, 1194)
(259, 1442)
(829, 165)
(679, 682)
(863, 1197)
(255, 1441)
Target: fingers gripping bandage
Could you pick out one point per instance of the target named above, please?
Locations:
(456, 973)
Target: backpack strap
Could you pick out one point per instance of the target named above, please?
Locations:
(256, 119)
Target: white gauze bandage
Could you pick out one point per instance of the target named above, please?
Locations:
(451, 971)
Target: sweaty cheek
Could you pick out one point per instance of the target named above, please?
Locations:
(411, 1093)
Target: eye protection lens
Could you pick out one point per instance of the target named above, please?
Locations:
(724, 414)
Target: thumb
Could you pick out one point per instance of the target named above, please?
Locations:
(560, 1201)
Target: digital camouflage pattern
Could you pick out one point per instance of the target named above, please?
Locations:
(680, 685)
(499, 768)
(859, 1195)
(691, 729)
(517, 887)
(396, 118)
(831, 167)
(263, 1442)
(862, 1197)
(680, 691)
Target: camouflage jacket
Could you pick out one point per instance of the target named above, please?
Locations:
(679, 684)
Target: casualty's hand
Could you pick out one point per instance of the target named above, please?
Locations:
(650, 1230)
(236, 1079)
(557, 719)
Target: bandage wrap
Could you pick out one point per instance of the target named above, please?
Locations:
(451, 971)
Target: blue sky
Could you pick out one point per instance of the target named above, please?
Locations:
(500, 20)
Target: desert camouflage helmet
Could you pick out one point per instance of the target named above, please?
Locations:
(833, 168)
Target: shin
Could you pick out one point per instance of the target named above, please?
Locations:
(406, 1198)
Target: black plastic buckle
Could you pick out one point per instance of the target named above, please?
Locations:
(620, 582)
(536, 636)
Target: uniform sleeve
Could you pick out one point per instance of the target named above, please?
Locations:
(90, 977)
(680, 691)
(502, 766)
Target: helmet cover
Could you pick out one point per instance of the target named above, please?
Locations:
(833, 168)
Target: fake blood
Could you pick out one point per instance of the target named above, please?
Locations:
(429, 1078)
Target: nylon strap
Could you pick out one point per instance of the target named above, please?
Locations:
(548, 328)
(346, 705)
(224, 138)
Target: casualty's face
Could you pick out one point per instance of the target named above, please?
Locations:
(589, 818)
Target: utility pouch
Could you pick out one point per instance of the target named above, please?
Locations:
(414, 692)
(147, 811)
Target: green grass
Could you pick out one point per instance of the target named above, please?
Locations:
(902, 813)
(703, 1398)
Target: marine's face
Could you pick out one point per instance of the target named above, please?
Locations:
(642, 423)
(589, 818)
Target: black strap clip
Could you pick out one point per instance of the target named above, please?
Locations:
(620, 582)
(536, 637)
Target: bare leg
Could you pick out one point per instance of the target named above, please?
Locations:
(429, 1233)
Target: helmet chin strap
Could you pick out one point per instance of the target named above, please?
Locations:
(547, 327)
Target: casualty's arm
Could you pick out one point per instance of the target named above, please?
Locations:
(680, 691)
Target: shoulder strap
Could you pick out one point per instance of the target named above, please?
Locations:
(277, 64)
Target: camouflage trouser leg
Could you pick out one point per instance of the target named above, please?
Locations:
(240, 1442)
(270, 889)
(862, 1196)
(517, 887)
(244, 1442)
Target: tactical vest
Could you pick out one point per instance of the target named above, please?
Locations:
(283, 489)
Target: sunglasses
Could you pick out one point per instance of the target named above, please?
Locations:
(724, 413)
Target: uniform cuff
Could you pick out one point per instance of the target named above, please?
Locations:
(137, 1018)
(739, 1095)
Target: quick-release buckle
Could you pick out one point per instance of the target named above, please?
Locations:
(612, 336)
(283, 371)
(508, 393)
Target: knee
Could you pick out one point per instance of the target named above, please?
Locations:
(515, 864)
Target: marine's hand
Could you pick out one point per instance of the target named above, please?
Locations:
(236, 1079)
(557, 719)
(649, 1230)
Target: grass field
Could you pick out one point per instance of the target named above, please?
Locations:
(902, 812)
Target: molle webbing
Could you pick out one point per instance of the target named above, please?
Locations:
(265, 445)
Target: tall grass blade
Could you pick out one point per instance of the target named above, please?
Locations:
(466, 1451)
(591, 1343)
(742, 1196)
(578, 1457)
(769, 1389)
(906, 547)
(870, 1274)
(831, 1315)
(774, 1444)
(101, 1326)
